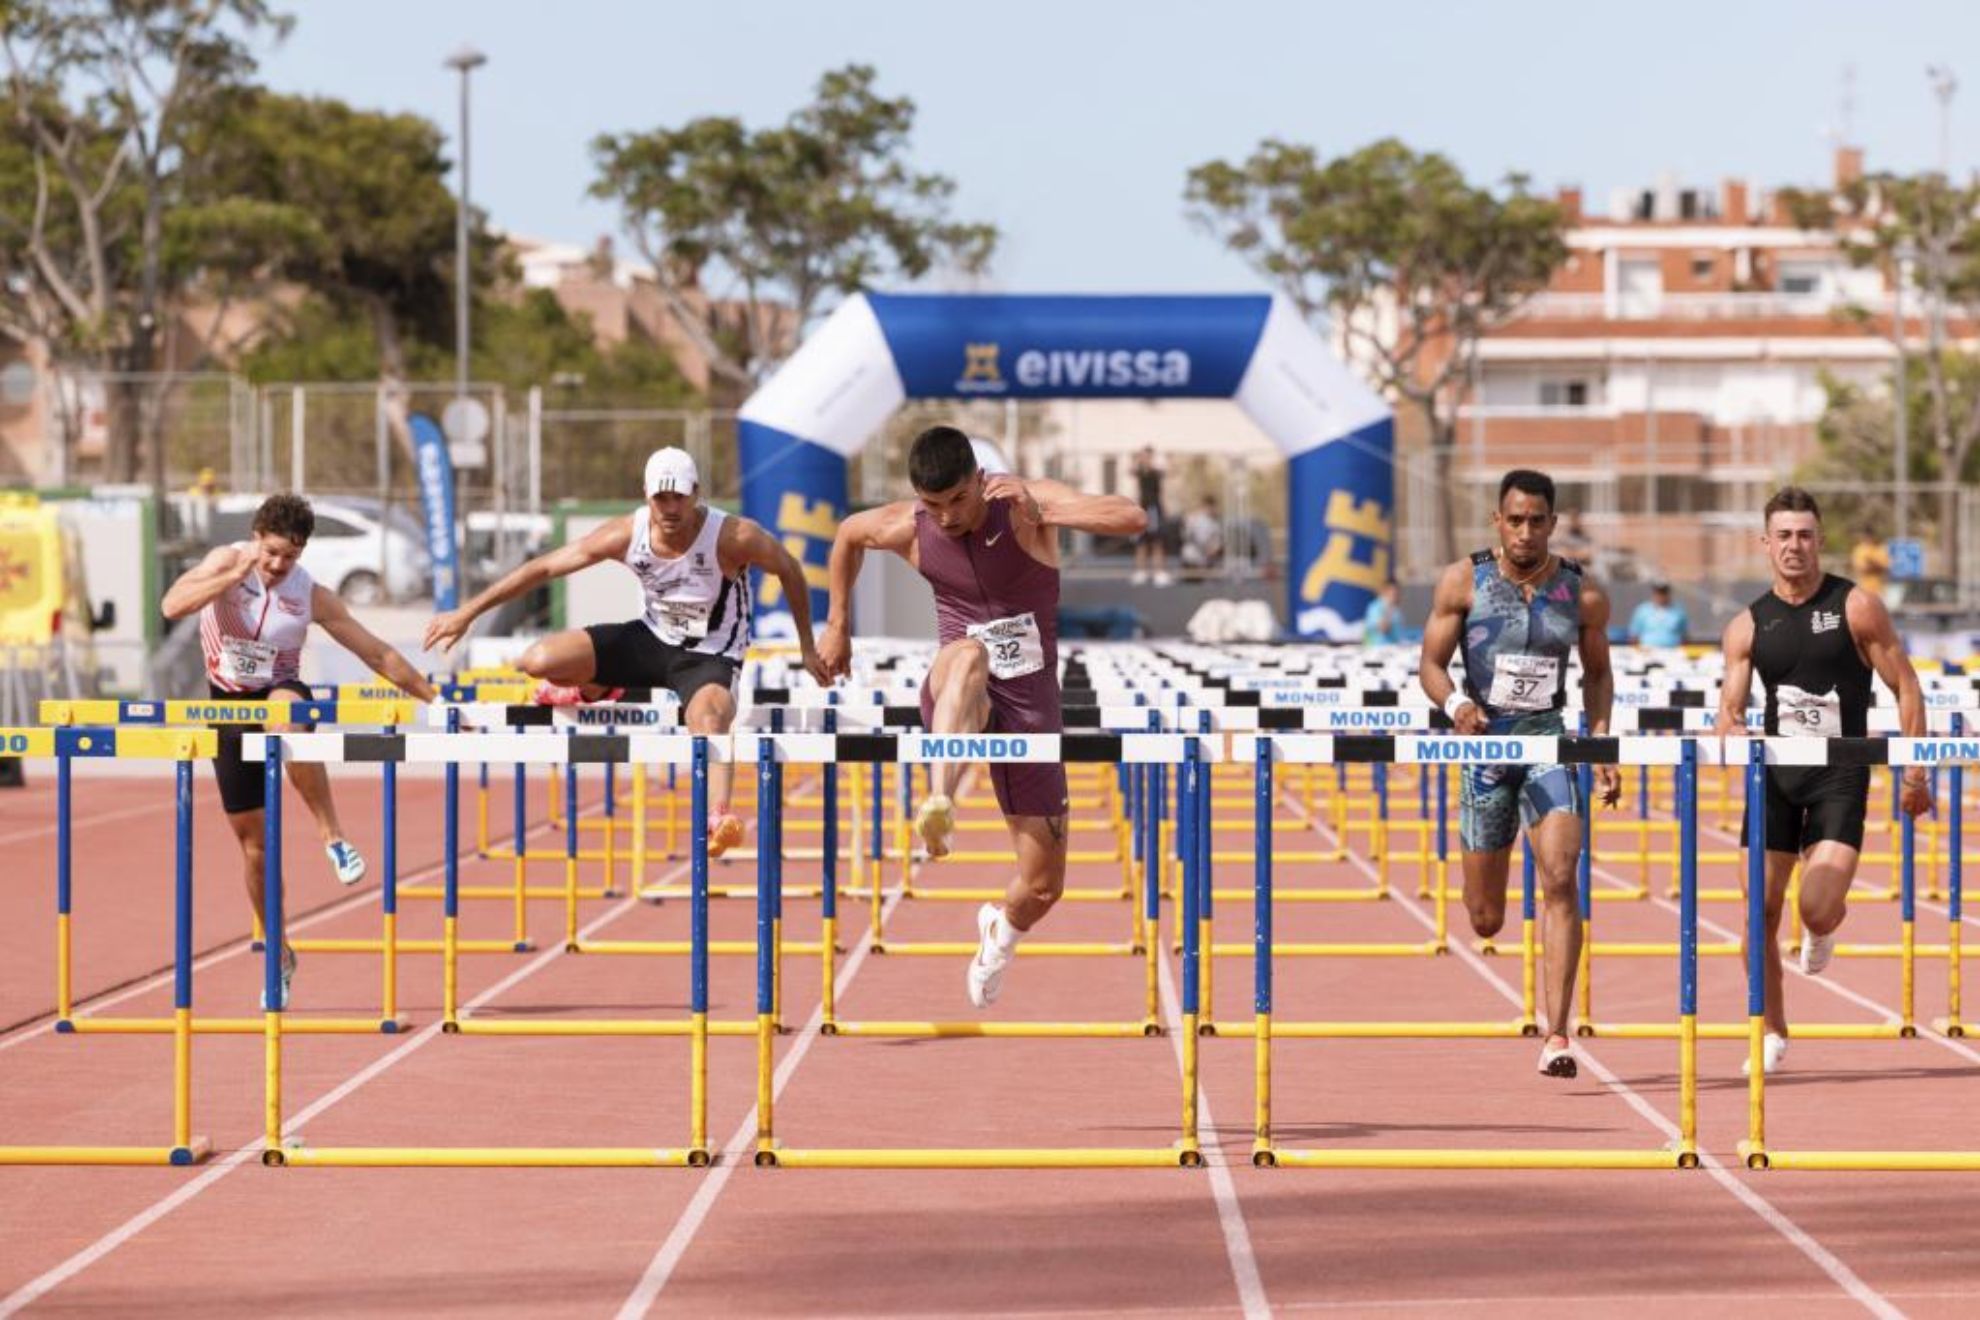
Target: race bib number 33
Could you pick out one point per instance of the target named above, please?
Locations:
(1015, 645)
(1808, 714)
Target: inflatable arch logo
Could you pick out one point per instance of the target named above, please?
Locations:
(879, 350)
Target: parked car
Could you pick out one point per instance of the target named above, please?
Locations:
(354, 540)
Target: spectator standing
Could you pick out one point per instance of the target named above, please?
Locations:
(1382, 625)
(1148, 547)
(1203, 537)
(1659, 621)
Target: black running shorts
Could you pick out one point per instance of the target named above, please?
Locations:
(628, 655)
(244, 784)
(1808, 804)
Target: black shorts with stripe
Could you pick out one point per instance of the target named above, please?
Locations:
(244, 784)
(1806, 804)
(628, 655)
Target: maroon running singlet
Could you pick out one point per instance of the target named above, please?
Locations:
(988, 585)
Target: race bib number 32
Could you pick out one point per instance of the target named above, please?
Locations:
(1015, 645)
(1524, 682)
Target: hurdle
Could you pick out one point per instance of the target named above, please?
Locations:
(182, 747)
(131, 716)
(1754, 1149)
(908, 750)
(451, 750)
(1190, 753)
(1267, 1153)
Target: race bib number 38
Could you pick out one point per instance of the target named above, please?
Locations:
(1016, 646)
(1524, 682)
(243, 660)
(1809, 714)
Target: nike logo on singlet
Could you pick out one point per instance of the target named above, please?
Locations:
(989, 541)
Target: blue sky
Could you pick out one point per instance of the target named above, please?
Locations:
(1071, 125)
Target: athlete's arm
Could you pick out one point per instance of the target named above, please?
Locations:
(1440, 639)
(610, 540)
(1876, 638)
(205, 582)
(1598, 680)
(752, 547)
(888, 527)
(1736, 685)
(328, 609)
(1055, 504)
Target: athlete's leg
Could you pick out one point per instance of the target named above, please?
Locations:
(565, 659)
(1780, 869)
(959, 683)
(711, 710)
(312, 781)
(1828, 869)
(1485, 890)
(249, 829)
(1556, 850)
(1040, 843)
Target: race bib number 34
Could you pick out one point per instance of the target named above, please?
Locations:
(1808, 714)
(1524, 682)
(1015, 645)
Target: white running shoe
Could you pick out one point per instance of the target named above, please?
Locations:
(288, 975)
(1558, 1060)
(935, 822)
(347, 860)
(1163, 578)
(992, 960)
(1816, 950)
(1773, 1048)
(1138, 578)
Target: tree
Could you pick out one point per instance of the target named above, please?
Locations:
(102, 94)
(1411, 263)
(1854, 452)
(1922, 231)
(782, 218)
(366, 213)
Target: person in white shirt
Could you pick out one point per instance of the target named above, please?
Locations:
(693, 563)
(255, 604)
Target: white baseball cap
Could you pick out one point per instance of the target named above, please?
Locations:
(671, 470)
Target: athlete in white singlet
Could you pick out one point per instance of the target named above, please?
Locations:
(693, 566)
(255, 605)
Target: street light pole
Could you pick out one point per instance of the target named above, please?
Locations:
(467, 59)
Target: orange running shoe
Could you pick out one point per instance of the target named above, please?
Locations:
(724, 832)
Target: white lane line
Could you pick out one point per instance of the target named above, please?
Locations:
(34, 1290)
(1821, 1257)
(104, 999)
(741, 1145)
(1230, 1213)
(82, 819)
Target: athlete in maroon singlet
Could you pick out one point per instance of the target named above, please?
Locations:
(990, 549)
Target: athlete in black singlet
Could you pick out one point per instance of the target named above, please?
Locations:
(1815, 639)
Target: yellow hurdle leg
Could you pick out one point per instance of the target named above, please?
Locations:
(390, 993)
(570, 904)
(766, 1071)
(1585, 973)
(65, 1006)
(698, 1090)
(182, 1078)
(1526, 973)
(1754, 1148)
(828, 941)
(638, 880)
(1688, 1090)
(450, 974)
(1261, 1085)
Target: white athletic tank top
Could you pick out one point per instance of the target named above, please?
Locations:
(252, 637)
(689, 603)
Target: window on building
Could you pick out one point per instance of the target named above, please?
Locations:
(1703, 267)
(1804, 277)
(1564, 393)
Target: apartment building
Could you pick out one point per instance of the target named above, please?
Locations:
(1671, 375)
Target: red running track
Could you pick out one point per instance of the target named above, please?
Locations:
(234, 1237)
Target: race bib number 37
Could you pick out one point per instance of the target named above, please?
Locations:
(1524, 682)
(1015, 645)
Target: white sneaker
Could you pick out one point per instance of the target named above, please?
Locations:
(1773, 1048)
(1558, 1060)
(935, 822)
(347, 860)
(992, 960)
(1816, 950)
(288, 975)
(1162, 579)
(1138, 578)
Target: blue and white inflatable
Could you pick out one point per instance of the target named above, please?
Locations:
(879, 350)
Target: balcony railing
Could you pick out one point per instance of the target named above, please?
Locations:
(1623, 306)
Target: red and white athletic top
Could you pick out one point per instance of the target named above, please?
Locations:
(253, 637)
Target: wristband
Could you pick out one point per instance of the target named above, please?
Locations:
(1455, 702)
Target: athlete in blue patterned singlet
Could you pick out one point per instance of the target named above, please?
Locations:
(1519, 611)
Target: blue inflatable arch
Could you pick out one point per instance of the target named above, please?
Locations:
(879, 350)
